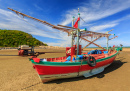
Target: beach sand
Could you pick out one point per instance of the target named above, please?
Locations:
(17, 73)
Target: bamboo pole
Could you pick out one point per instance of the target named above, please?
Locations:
(64, 29)
(78, 35)
(92, 42)
(66, 26)
(113, 37)
(72, 32)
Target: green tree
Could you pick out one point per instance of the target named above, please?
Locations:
(13, 38)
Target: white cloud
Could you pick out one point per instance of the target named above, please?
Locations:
(9, 20)
(65, 41)
(118, 42)
(102, 42)
(97, 9)
(101, 27)
(106, 25)
(37, 7)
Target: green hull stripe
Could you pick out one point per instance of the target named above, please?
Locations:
(71, 63)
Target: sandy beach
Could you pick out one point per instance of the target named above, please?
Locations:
(17, 73)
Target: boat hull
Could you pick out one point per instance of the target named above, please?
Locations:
(49, 71)
(87, 73)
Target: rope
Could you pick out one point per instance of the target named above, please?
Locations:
(80, 67)
(80, 40)
(83, 20)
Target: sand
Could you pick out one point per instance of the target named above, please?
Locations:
(17, 73)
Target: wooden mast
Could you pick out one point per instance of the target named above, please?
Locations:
(78, 33)
(72, 42)
(92, 41)
(108, 38)
(70, 30)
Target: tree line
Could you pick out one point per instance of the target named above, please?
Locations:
(14, 38)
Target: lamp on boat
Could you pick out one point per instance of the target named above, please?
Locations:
(85, 29)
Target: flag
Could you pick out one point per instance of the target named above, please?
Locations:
(76, 23)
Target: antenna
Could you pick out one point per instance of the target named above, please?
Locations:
(78, 10)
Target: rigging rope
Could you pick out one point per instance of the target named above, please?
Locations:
(83, 20)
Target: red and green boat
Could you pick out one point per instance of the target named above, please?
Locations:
(75, 63)
(58, 68)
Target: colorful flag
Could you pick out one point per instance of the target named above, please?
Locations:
(76, 23)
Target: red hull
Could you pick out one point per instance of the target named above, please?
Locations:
(50, 70)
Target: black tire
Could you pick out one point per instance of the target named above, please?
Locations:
(91, 63)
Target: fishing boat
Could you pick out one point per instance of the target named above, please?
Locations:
(85, 65)
(75, 63)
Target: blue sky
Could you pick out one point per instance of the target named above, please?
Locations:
(99, 16)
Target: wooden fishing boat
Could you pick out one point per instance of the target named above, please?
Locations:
(58, 68)
(75, 63)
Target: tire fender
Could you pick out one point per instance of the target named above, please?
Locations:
(91, 61)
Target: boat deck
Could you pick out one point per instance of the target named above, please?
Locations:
(63, 59)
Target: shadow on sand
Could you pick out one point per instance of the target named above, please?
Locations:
(114, 66)
(7, 55)
(18, 55)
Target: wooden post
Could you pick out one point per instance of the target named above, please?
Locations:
(72, 32)
(107, 40)
(92, 42)
(78, 34)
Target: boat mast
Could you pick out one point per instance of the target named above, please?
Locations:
(107, 40)
(78, 34)
(108, 37)
(72, 41)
